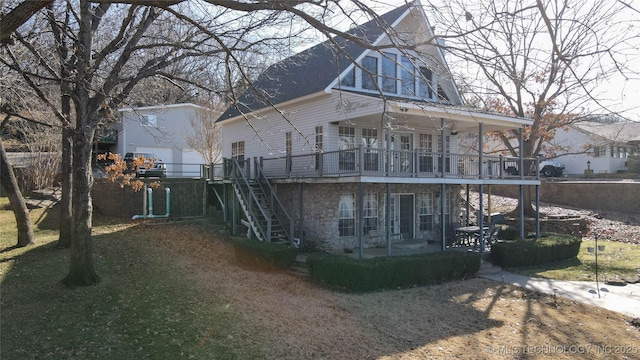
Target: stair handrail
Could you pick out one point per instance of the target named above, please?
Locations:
(239, 176)
(276, 206)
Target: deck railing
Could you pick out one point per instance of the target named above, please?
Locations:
(363, 161)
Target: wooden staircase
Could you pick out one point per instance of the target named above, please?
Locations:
(266, 217)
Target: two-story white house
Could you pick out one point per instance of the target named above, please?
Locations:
(359, 146)
(161, 130)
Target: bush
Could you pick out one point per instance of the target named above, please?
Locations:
(357, 275)
(548, 249)
(509, 233)
(264, 255)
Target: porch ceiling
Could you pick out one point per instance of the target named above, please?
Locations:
(457, 119)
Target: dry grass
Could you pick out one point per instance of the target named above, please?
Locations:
(233, 312)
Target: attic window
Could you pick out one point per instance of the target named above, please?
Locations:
(426, 83)
(369, 72)
(349, 79)
(148, 120)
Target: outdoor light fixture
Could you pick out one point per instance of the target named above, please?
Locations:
(588, 164)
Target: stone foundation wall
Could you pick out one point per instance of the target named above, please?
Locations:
(320, 208)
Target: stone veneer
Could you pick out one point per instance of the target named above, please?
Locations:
(320, 203)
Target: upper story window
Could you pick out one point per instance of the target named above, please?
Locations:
(407, 77)
(425, 81)
(346, 137)
(237, 150)
(389, 73)
(319, 139)
(148, 120)
(288, 142)
(393, 74)
(369, 73)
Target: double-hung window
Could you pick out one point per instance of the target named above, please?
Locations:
(370, 212)
(425, 211)
(347, 215)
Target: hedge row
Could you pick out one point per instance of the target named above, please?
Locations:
(264, 255)
(357, 275)
(548, 249)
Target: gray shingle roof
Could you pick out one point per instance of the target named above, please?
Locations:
(312, 70)
(620, 132)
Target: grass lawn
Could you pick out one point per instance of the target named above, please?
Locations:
(617, 260)
(177, 291)
(142, 309)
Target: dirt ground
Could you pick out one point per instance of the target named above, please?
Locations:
(286, 316)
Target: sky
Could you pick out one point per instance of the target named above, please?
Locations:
(622, 94)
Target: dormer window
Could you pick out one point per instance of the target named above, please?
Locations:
(369, 72)
(393, 74)
(426, 83)
(389, 73)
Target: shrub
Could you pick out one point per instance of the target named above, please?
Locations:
(357, 275)
(548, 249)
(264, 255)
(509, 233)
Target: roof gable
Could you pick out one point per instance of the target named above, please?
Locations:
(312, 70)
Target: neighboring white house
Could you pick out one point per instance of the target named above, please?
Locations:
(601, 146)
(161, 130)
(353, 167)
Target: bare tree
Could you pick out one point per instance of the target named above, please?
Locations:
(205, 136)
(20, 210)
(99, 53)
(543, 60)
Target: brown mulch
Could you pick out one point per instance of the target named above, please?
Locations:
(286, 316)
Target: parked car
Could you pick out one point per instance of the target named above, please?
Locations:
(550, 168)
(152, 166)
(546, 168)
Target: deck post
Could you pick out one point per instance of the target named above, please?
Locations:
(225, 203)
(521, 200)
(480, 152)
(521, 158)
(537, 211)
(301, 210)
(481, 217)
(443, 226)
(443, 138)
(388, 219)
(467, 207)
(360, 220)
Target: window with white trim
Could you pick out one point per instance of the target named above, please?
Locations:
(369, 73)
(237, 150)
(148, 120)
(389, 73)
(394, 74)
(425, 211)
(370, 212)
(346, 137)
(407, 77)
(319, 139)
(347, 215)
(425, 83)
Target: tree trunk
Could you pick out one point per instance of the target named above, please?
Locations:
(64, 239)
(81, 269)
(20, 211)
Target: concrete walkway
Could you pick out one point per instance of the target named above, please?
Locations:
(622, 299)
